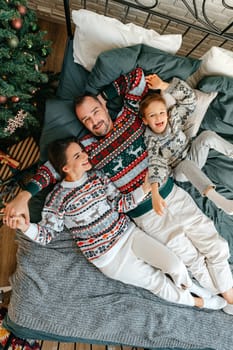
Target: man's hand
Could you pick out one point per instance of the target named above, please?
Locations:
(155, 82)
(18, 206)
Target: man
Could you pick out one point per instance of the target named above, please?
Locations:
(117, 148)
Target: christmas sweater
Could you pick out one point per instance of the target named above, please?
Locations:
(167, 149)
(121, 154)
(93, 211)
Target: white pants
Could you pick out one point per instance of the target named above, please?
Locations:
(189, 168)
(193, 237)
(128, 268)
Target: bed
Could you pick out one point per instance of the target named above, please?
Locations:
(56, 293)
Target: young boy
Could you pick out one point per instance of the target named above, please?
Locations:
(170, 151)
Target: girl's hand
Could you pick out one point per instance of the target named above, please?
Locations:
(155, 82)
(18, 206)
(159, 204)
(16, 222)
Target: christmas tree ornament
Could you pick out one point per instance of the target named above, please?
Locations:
(44, 52)
(44, 78)
(3, 99)
(13, 42)
(30, 58)
(15, 99)
(34, 27)
(29, 44)
(22, 9)
(16, 122)
(17, 23)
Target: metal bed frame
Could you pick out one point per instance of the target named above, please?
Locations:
(198, 30)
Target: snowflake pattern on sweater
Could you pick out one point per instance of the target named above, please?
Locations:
(167, 149)
(91, 208)
(121, 154)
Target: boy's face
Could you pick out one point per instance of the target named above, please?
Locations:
(156, 117)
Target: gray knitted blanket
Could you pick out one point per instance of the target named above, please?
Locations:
(56, 291)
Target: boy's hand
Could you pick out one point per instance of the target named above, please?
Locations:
(146, 185)
(155, 82)
(159, 204)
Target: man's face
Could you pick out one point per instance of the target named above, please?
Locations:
(94, 116)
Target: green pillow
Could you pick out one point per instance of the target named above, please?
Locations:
(60, 122)
(219, 116)
(73, 76)
(111, 64)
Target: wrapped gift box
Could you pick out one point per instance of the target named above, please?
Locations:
(15, 165)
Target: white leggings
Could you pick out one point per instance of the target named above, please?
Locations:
(193, 238)
(189, 168)
(128, 268)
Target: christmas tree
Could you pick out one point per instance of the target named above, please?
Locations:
(23, 53)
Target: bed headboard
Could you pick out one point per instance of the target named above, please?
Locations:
(204, 25)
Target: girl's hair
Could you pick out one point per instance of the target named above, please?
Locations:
(57, 153)
(147, 99)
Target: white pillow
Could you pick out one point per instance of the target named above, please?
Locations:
(96, 33)
(194, 121)
(216, 61)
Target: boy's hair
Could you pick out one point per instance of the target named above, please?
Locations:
(57, 153)
(147, 99)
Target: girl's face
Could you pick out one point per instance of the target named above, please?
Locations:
(77, 162)
(156, 117)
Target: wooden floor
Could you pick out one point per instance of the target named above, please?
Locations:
(49, 345)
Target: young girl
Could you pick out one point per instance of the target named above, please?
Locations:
(170, 150)
(88, 204)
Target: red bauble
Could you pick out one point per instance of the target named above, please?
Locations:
(17, 23)
(15, 99)
(22, 9)
(3, 99)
